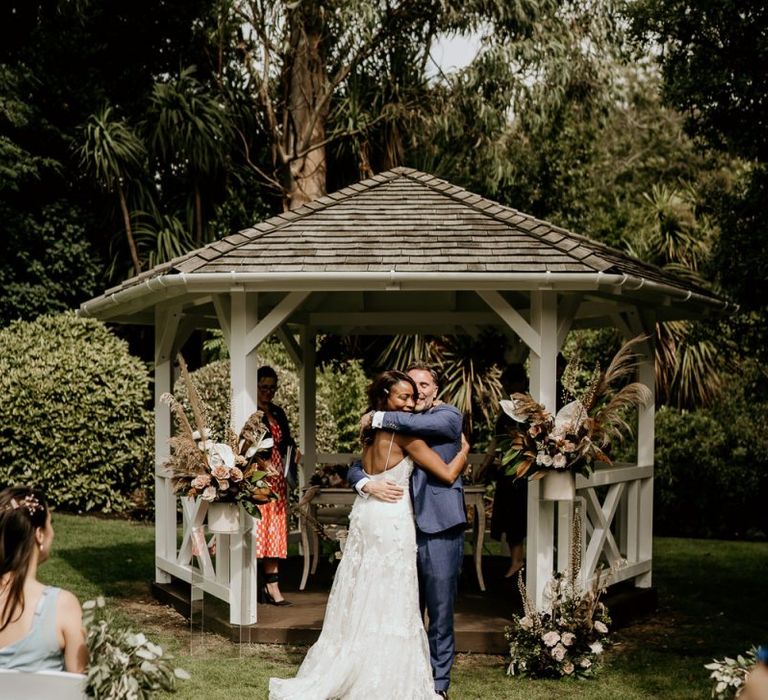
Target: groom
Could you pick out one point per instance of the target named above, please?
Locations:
(438, 510)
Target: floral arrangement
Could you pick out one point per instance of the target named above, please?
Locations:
(568, 638)
(580, 433)
(729, 674)
(124, 665)
(225, 472)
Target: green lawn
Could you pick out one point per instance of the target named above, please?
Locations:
(711, 593)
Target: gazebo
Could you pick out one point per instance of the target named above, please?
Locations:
(401, 253)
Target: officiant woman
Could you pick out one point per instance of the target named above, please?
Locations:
(271, 532)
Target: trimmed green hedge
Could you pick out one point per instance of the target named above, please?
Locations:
(74, 420)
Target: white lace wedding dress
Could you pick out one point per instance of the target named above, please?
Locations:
(373, 645)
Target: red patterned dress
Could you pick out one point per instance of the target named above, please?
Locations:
(271, 532)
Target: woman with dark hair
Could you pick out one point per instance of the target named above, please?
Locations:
(40, 626)
(271, 532)
(373, 644)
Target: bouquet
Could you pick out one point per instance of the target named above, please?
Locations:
(569, 637)
(579, 434)
(233, 471)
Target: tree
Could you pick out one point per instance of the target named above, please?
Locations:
(189, 129)
(112, 153)
(305, 60)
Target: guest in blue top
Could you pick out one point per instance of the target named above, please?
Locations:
(41, 627)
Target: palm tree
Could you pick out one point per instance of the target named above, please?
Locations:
(677, 237)
(189, 130)
(112, 152)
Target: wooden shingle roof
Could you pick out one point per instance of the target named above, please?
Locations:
(410, 222)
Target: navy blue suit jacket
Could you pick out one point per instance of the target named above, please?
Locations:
(437, 506)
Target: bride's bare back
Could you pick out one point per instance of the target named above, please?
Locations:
(382, 454)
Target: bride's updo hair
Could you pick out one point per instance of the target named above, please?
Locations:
(378, 390)
(378, 395)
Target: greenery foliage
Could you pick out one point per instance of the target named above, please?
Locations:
(729, 674)
(711, 477)
(124, 665)
(74, 413)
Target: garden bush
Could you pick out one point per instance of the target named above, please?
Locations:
(712, 467)
(341, 398)
(74, 417)
(213, 385)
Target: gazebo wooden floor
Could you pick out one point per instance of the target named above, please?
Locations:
(480, 617)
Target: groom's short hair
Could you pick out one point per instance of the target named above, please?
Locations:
(418, 364)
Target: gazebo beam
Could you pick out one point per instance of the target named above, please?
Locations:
(512, 317)
(274, 319)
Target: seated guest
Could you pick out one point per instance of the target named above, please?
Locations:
(40, 626)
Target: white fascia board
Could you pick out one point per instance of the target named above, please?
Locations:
(163, 287)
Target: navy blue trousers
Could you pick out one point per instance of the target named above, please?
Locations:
(439, 563)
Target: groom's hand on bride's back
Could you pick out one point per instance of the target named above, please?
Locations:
(384, 490)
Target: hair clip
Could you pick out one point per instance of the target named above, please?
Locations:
(29, 503)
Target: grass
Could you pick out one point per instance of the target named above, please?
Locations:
(711, 603)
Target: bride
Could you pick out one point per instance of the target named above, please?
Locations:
(373, 645)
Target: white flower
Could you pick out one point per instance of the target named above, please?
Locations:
(526, 623)
(223, 484)
(550, 638)
(559, 461)
(265, 444)
(222, 455)
(568, 638)
(201, 481)
(585, 663)
(596, 648)
(568, 668)
(601, 627)
(209, 494)
(546, 460)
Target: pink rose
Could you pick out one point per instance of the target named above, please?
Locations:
(568, 638)
(534, 431)
(559, 461)
(201, 481)
(568, 668)
(220, 472)
(223, 484)
(558, 653)
(550, 638)
(209, 494)
(235, 474)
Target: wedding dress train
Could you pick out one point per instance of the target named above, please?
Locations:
(373, 645)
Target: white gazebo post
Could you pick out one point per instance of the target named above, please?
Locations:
(244, 365)
(543, 387)
(166, 326)
(308, 405)
(645, 449)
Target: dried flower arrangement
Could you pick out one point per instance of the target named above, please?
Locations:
(232, 471)
(569, 637)
(577, 437)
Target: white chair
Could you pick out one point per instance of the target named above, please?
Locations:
(43, 685)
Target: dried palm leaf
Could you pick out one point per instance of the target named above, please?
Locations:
(198, 410)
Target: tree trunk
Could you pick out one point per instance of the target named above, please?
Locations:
(198, 216)
(129, 231)
(305, 91)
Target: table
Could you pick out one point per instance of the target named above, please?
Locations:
(339, 502)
